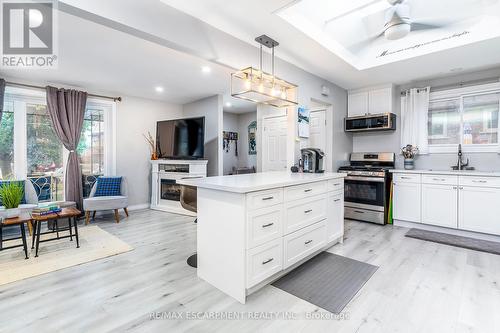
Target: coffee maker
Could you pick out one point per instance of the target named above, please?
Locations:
(312, 160)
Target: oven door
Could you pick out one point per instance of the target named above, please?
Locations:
(365, 192)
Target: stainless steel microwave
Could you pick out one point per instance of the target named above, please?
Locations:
(372, 122)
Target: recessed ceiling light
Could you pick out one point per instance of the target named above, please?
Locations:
(206, 69)
(159, 89)
(229, 104)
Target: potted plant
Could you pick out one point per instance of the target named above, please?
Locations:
(409, 152)
(11, 194)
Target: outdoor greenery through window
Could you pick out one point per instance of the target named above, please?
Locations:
(29, 148)
(469, 120)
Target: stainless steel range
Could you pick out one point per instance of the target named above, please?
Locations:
(367, 186)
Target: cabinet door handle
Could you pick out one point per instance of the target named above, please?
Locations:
(402, 177)
(479, 181)
(359, 211)
(308, 242)
(267, 198)
(308, 211)
(308, 190)
(267, 261)
(336, 200)
(267, 225)
(454, 187)
(439, 179)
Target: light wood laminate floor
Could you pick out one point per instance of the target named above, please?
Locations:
(419, 287)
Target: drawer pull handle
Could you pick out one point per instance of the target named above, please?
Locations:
(336, 200)
(267, 198)
(479, 181)
(336, 184)
(267, 225)
(439, 179)
(308, 242)
(267, 261)
(359, 211)
(308, 190)
(405, 177)
(308, 211)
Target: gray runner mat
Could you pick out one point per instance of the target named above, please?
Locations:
(454, 240)
(328, 280)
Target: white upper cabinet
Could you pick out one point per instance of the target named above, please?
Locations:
(370, 101)
(357, 104)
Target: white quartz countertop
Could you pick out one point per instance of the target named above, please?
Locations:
(451, 172)
(258, 181)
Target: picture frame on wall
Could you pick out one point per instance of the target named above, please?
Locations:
(252, 142)
(303, 121)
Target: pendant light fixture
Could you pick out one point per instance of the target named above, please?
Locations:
(260, 87)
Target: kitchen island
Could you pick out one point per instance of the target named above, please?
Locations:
(254, 228)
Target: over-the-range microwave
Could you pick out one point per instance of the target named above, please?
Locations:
(372, 122)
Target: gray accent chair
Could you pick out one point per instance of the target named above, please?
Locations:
(93, 203)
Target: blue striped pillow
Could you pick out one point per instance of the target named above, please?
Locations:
(20, 183)
(108, 186)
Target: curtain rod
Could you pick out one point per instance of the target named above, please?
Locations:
(15, 84)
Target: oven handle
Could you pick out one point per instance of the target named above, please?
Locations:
(366, 179)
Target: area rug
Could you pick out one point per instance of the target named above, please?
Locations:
(328, 280)
(454, 240)
(95, 244)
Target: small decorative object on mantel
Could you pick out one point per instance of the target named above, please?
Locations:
(409, 153)
(11, 196)
(227, 137)
(152, 146)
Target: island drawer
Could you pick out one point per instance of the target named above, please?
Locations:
(336, 185)
(407, 178)
(440, 179)
(300, 214)
(261, 199)
(298, 192)
(304, 242)
(264, 261)
(264, 225)
(479, 181)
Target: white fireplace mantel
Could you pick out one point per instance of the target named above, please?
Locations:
(171, 171)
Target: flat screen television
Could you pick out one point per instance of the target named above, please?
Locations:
(181, 138)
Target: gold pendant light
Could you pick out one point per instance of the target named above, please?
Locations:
(260, 87)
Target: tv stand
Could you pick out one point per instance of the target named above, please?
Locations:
(165, 192)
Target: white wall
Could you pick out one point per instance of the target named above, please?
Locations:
(244, 159)
(211, 109)
(391, 141)
(230, 160)
(135, 117)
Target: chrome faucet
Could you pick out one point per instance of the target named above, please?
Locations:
(460, 164)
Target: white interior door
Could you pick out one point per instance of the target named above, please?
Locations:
(317, 132)
(274, 144)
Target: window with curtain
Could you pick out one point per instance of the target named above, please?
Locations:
(34, 152)
(467, 116)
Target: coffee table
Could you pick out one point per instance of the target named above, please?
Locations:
(20, 221)
(69, 213)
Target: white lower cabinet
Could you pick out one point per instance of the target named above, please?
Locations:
(335, 221)
(479, 209)
(407, 201)
(264, 261)
(304, 242)
(440, 205)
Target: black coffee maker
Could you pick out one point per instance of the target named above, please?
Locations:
(312, 160)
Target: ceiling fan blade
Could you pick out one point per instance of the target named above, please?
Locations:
(415, 26)
(364, 43)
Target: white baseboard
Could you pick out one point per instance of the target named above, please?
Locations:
(138, 207)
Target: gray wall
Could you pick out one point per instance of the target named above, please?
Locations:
(391, 141)
(211, 109)
(135, 117)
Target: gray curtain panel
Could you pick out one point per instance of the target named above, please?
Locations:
(67, 109)
(2, 93)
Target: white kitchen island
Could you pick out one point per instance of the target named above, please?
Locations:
(254, 228)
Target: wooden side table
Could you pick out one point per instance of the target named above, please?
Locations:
(69, 213)
(20, 221)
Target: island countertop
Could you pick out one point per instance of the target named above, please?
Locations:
(258, 181)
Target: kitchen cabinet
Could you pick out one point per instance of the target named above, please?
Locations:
(440, 205)
(335, 222)
(479, 209)
(357, 104)
(407, 201)
(370, 101)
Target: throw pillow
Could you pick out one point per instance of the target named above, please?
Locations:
(108, 186)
